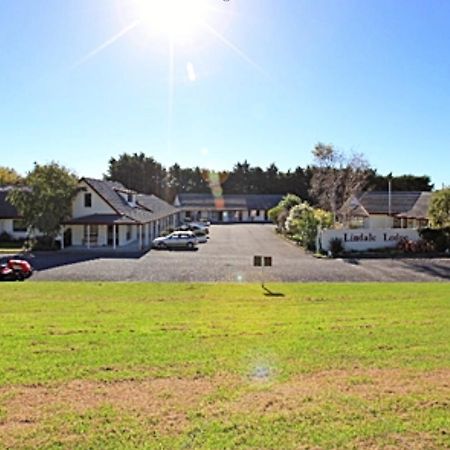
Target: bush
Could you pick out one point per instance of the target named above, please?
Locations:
(439, 238)
(45, 243)
(336, 247)
(5, 237)
(421, 246)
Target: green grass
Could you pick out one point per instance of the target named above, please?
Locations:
(348, 340)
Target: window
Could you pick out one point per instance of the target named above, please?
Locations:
(130, 197)
(128, 232)
(87, 200)
(19, 225)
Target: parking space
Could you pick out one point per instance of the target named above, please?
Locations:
(228, 256)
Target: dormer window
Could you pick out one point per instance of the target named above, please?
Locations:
(87, 200)
(130, 197)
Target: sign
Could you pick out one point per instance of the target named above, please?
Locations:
(262, 261)
(366, 239)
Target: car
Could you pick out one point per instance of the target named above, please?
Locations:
(177, 239)
(15, 270)
(194, 226)
(202, 237)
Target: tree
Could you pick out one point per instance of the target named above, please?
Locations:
(377, 182)
(335, 176)
(138, 172)
(9, 176)
(439, 210)
(46, 202)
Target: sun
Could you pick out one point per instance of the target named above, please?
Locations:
(179, 19)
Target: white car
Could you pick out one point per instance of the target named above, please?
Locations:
(177, 239)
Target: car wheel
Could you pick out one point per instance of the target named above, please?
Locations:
(190, 245)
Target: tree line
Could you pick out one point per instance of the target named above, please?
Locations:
(326, 182)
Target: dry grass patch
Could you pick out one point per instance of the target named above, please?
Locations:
(366, 384)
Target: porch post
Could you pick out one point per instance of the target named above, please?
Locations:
(88, 236)
(114, 236)
(140, 236)
(62, 238)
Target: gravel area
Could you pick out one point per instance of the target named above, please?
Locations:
(228, 256)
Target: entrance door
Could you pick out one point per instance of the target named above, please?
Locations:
(111, 236)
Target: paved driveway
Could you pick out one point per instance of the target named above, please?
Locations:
(228, 257)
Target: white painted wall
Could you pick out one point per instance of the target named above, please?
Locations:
(7, 225)
(364, 239)
(379, 221)
(99, 206)
(77, 234)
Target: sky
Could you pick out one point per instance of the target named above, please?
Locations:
(214, 82)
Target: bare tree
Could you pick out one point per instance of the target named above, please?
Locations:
(336, 176)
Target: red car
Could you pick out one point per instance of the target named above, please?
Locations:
(15, 270)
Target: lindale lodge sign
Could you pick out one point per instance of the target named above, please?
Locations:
(362, 239)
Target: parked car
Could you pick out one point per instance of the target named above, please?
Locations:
(15, 270)
(194, 226)
(202, 237)
(177, 239)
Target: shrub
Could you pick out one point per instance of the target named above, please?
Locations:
(5, 237)
(408, 246)
(336, 247)
(45, 243)
(439, 238)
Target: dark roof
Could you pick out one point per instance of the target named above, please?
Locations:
(238, 201)
(374, 202)
(147, 208)
(7, 210)
(420, 208)
(156, 205)
(101, 219)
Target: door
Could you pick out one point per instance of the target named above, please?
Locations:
(111, 236)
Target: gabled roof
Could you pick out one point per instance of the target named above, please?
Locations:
(158, 207)
(420, 208)
(7, 210)
(146, 209)
(238, 201)
(375, 202)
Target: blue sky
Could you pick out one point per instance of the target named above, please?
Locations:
(368, 76)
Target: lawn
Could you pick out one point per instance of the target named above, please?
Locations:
(319, 366)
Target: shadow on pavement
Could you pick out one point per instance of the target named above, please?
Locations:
(49, 260)
(436, 269)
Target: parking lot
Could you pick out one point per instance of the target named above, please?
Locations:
(228, 256)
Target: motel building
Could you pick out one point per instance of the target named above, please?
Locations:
(106, 215)
(226, 208)
(377, 220)
(400, 209)
(10, 221)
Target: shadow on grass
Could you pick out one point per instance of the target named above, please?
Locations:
(269, 293)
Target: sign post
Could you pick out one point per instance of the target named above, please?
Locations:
(262, 261)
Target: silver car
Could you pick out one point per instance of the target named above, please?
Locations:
(177, 239)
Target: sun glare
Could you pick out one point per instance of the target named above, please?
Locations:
(179, 19)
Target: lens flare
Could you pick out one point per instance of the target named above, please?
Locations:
(180, 19)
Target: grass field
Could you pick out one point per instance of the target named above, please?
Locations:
(319, 366)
